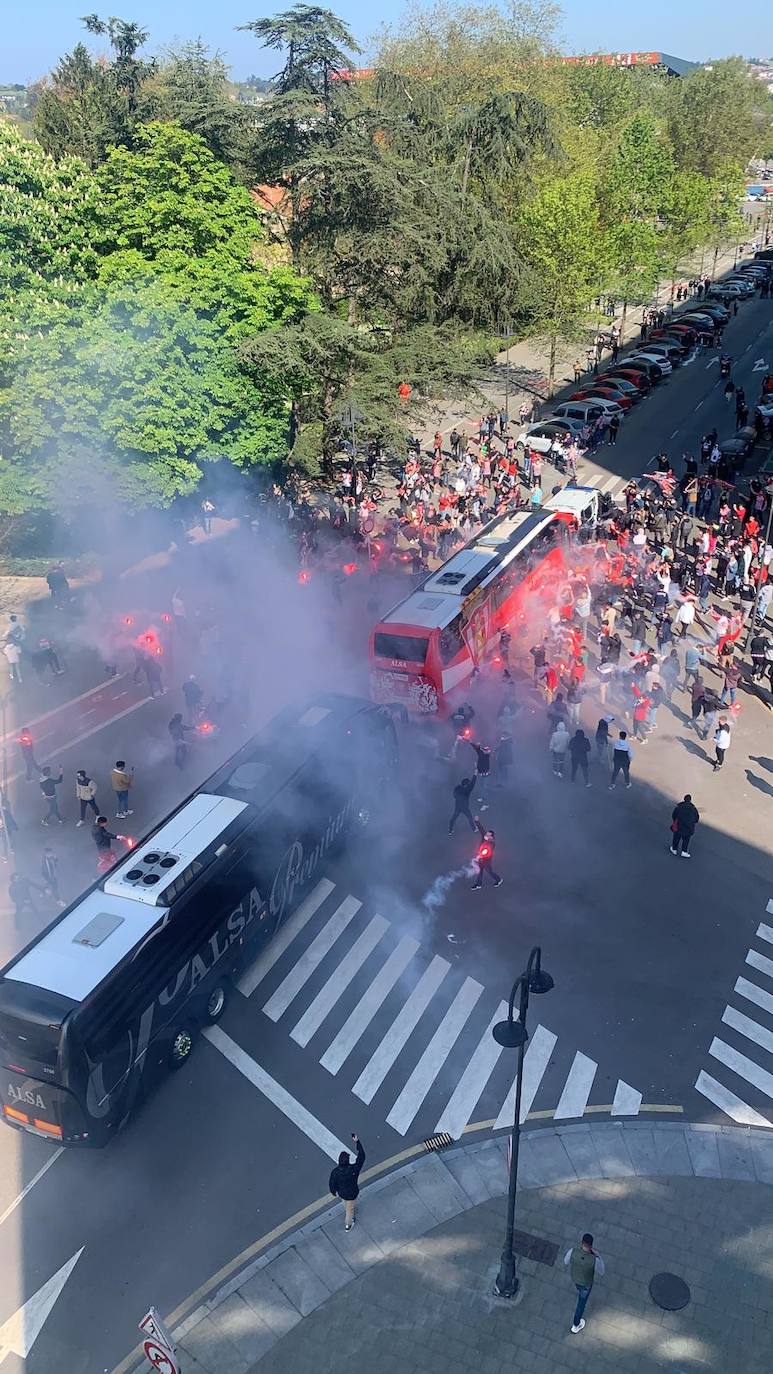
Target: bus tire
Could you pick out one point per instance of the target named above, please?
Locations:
(216, 1003)
(181, 1046)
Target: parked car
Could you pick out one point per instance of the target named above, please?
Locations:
(597, 391)
(541, 435)
(587, 412)
(662, 363)
(702, 320)
(674, 339)
(743, 281)
(664, 348)
(727, 292)
(655, 373)
(683, 330)
(636, 375)
(715, 309)
(624, 387)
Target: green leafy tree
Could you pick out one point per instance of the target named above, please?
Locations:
(563, 246)
(717, 115)
(193, 91)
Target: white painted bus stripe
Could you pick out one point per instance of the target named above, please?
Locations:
(276, 1094)
(339, 980)
(466, 1094)
(434, 1056)
(754, 994)
(728, 1103)
(381, 1061)
(535, 1061)
(751, 1029)
(256, 972)
(358, 1021)
(626, 1101)
(311, 958)
(759, 962)
(574, 1098)
(745, 1068)
(765, 932)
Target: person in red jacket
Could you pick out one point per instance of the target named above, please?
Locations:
(640, 713)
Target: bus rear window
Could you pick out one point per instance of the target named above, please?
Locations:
(410, 648)
(25, 1042)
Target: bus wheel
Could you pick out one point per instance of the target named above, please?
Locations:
(181, 1047)
(216, 1004)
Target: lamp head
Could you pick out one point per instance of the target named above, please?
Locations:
(540, 981)
(511, 1035)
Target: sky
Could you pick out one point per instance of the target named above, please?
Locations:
(37, 34)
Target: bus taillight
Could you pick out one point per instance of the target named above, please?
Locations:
(47, 1128)
(16, 1115)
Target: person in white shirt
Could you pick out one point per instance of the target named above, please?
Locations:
(622, 753)
(721, 742)
(685, 616)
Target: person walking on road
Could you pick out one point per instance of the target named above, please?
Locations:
(485, 857)
(20, 893)
(602, 739)
(194, 697)
(622, 753)
(579, 748)
(721, 742)
(27, 748)
(462, 793)
(103, 839)
(121, 780)
(559, 744)
(584, 1264)
(344, 1180)
(85, 792)
(178, 730)
(49, 869)
(482, 772)
(48, 786)
(684, 819)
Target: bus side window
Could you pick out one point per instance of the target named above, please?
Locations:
(451, 640)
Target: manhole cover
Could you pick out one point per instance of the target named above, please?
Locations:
(669, 1292)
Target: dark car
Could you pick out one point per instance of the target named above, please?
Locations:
(681, 340)
(735, 449)
(713, 308)
(650, 370)
(620, 384)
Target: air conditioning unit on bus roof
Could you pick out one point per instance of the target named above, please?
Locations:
(161, 868)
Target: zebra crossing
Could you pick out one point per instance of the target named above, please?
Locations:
(611, 486)
(734, 1053)
(402, 1027)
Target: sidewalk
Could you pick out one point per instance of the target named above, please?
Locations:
(410, 1288)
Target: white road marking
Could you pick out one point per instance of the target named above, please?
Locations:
(769, 907)
(751, 1029)
(754, 994)
(434, 1056)
(320, 947)
(673, 434)
(592, 480)
(339, 980)
(745, 1068)
(466, 1094)
(78, 739)
(274, 1092)
(357, 1023)
(728, 1103)
(609, 484)
(699, 403)
(44, 1170)
(574, 1098)
(71, 701)
(626, 1101)
(265, 961)
(19, 1333)
(535, 1062)
(759, 962)
(404, 1024)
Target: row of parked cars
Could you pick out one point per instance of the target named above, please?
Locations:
(615, 390)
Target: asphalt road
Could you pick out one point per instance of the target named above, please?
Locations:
(645, 951)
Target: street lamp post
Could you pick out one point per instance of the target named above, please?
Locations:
(512, 1034)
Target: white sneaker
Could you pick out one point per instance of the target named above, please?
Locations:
(77, 823)
(120, 815)
(686, 856)
(575, 1329)
(673, 851)
(128, 813)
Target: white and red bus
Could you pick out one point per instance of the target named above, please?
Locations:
(424, 651)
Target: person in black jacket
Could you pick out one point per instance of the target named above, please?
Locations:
(684, 819)
(344, 1180)
(485, 856)
(579, 748)
(462, 793)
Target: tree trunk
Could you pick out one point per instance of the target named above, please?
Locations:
(552, 371)
(466, 173)
(714, 264)
(622, 321)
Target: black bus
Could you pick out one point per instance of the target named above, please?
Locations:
(114, 991)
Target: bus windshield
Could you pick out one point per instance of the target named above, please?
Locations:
(407, 648)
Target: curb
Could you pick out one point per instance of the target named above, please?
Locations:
(230, 1332)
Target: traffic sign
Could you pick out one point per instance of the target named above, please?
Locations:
(161, 1359)
(153, 1326)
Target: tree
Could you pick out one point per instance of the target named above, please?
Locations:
(563, 247)
(90, 105)
(194, 91)
(633, 253)
(718, 115)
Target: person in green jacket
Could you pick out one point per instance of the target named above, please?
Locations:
(584, 1264)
